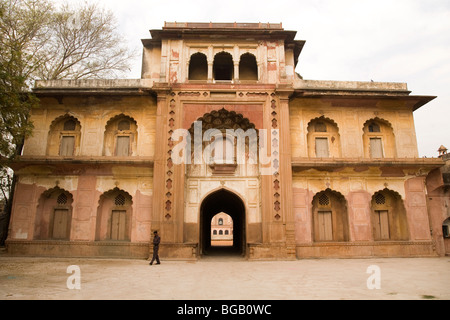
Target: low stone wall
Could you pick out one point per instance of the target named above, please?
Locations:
(78, 249)
(389, 249)
(178, 251)
(190, 251)
(344, 250)
(100, 249)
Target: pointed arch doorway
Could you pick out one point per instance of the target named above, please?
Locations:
(227, 202)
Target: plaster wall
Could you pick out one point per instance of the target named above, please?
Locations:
(86, 190)
(93, 114)
(350, 119)
(358, 191)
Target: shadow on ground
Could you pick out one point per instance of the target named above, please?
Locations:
(222, 253)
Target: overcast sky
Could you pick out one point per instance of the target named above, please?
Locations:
(353, 40)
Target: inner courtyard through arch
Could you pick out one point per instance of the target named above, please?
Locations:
(222, 230)
(222, 211)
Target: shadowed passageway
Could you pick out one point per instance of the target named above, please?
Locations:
(231, 204)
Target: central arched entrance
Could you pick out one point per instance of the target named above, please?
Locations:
(231, 204)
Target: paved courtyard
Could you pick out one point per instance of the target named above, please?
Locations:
(224, 279)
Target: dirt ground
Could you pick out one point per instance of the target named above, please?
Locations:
(223, 278)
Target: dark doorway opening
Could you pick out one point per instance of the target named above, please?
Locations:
(223, 67)
(248, 68)
(198, 67)
(229, 203)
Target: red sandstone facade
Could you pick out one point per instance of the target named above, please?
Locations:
(98, 175)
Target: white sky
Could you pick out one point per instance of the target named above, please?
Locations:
(354, 40)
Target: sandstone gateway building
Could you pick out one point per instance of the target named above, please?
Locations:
(344, 179)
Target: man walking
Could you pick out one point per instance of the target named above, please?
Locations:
(156, 241)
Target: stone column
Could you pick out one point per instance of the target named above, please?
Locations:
(286, 172)
(160, 161)
(210, 64)
(276, 188)
(236, 60)
(168, 179)
(176, 173)
(236, 72)
(210, 71)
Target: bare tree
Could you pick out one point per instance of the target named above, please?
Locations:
(84, 44)
(72, 41)
(24, 30)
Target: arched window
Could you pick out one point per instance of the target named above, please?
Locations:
(389, 217)
(223, 67)
(248, 68)
(320, 126)
(64, 137)
(68, 138)
(374, 127)
(323, 139)
(124, 125)
(198, 67)
(62, 199)
(119, 200)
(120, 137)
(330, 217)
(70, 125)
(379, 140)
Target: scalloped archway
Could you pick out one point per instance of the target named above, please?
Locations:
(54, 215)
(330, 217)
(114, 214)
(223, 119)
(379, 139)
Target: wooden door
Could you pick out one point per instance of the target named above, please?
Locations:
(325, 226)
(123, 146)
(382, 225)
(60, 224)
(376, 148)
(118, 225)
(322, 148)
(67, 146)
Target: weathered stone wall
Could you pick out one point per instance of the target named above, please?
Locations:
(350, 118)
(93, 114)
(280, 212)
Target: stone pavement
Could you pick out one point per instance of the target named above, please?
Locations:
(224, 278)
